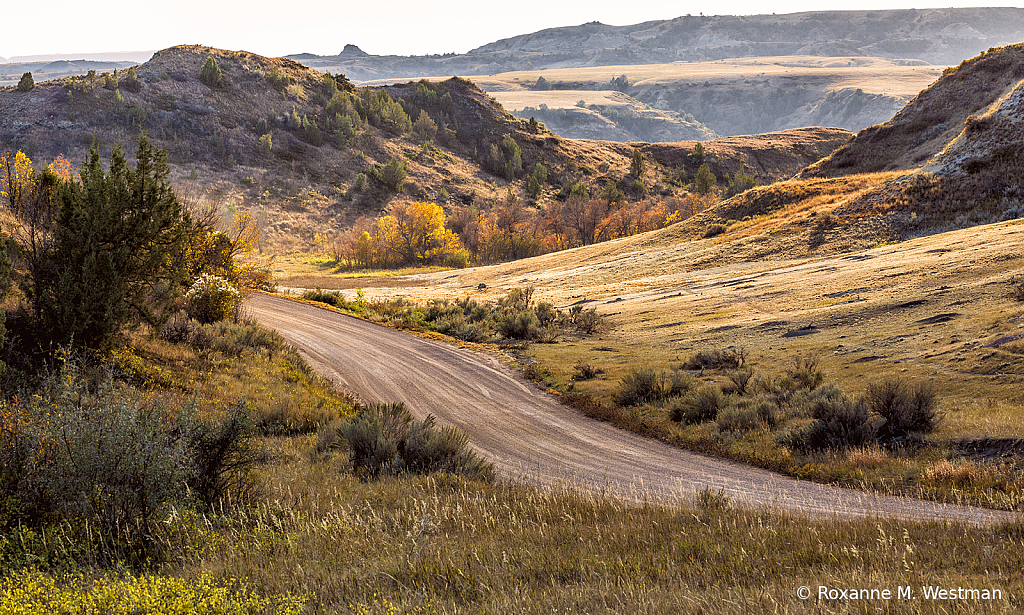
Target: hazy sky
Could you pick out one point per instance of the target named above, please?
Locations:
(403, 27)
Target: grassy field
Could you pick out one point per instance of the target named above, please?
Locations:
(309, 537)
(937, 309)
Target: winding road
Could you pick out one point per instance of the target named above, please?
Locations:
(531, 437)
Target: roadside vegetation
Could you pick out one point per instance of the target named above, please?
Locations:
(796, 421)
(185, 459)
(515, 318)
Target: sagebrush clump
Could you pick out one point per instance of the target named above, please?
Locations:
(385, 440)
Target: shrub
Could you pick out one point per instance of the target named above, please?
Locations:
(383, 439)
(265, 144)
(429, 449)
(520, 326)
(393, 174)
(323, 296)
(805, 372)
(27, 83)
(710, 501)
(110, 457)
(210, 74)
(212, 298)
(179, 328)
(714, 230)
(698, 405)
(737, 418)
(130, 81)
(717, 358)
(223, 454)
(906, 409)
(424, 128)
(640, 386)
(741, 378)
(645, 385)
(585, 371)
(767, 411)
(840, 422)
(1017, 287)
(360, 182)
(705, 180)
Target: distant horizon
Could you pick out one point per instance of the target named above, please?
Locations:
(398, 27)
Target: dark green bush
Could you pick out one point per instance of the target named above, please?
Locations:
(27, 83)
(223, 454)
(393, 174)
(906, 409)
(323, 296)
(130, 81)
(646, 385)
(640, 386)
(739, 418)
(429, 449)
(520, 326)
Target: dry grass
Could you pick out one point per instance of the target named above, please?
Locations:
(867, 457)
(442, 544)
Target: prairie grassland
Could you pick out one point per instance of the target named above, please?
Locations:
(312, 538)
(938, 309)
(442, 544)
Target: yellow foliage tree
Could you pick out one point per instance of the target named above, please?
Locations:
(416, 234)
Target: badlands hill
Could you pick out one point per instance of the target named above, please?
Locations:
(935, 36)
(290, 142)
(952, 158)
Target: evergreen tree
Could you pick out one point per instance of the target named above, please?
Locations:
(210, 75)
(393, 174)
(130, 81)
(425, 128)
(27, 83)
(638, 166)
(705, 181)
(115, 237)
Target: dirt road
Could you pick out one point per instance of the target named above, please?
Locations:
(530, 437)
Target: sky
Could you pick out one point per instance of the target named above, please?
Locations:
(324, 27)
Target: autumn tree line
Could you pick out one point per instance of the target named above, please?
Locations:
(421, 233)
